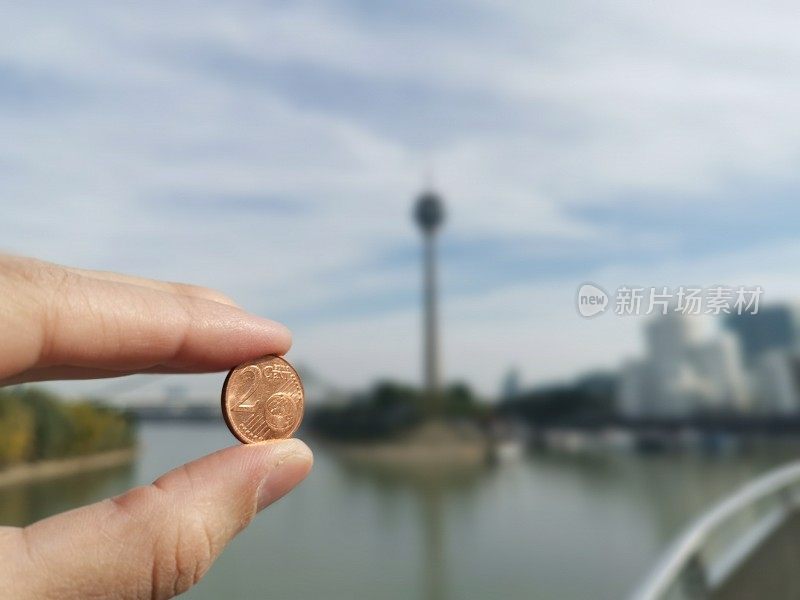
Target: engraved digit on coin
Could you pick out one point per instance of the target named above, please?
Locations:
(247, 384)
(263, 400)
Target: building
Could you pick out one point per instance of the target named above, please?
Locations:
(719, 362)
(772, 328)
(776, 380)
(684, 372)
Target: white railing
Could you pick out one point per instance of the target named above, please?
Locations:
(711, 549)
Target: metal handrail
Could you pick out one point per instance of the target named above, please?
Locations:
(685, 549)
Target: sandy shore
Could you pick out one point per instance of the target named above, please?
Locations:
(50, 469)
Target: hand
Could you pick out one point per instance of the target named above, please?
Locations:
(156, 540)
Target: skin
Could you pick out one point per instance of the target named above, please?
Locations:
(154, 541)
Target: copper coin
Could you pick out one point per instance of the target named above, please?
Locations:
(263, 400)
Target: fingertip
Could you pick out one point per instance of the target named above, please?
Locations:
(283, 336)
(275, 337)
(300, 450)
(288, 464)
(236, 336)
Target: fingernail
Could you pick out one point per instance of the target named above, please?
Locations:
(291, 461)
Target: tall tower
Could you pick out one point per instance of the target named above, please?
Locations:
(429, 215)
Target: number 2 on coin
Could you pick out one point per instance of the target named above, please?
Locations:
(249, 399)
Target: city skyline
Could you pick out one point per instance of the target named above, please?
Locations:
(745, 364)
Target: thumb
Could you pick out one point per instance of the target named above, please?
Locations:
(155, 541)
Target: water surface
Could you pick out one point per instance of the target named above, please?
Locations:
(546, 527)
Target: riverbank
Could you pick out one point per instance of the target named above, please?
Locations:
(62, 467)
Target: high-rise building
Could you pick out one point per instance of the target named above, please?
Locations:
(772, 328)
(776, 381)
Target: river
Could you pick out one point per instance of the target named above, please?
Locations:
(544, 527)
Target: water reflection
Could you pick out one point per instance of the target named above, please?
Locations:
(23, 504)
(433, 488)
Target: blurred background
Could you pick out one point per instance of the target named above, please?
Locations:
(308, 158)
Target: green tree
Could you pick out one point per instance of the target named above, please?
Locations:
(37, 425)
(53, 428)
(17, 435)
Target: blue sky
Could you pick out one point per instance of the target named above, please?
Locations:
(272, 150)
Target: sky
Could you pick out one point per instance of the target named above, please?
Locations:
(273, 150)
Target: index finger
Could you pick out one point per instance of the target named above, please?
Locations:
(54, 318)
